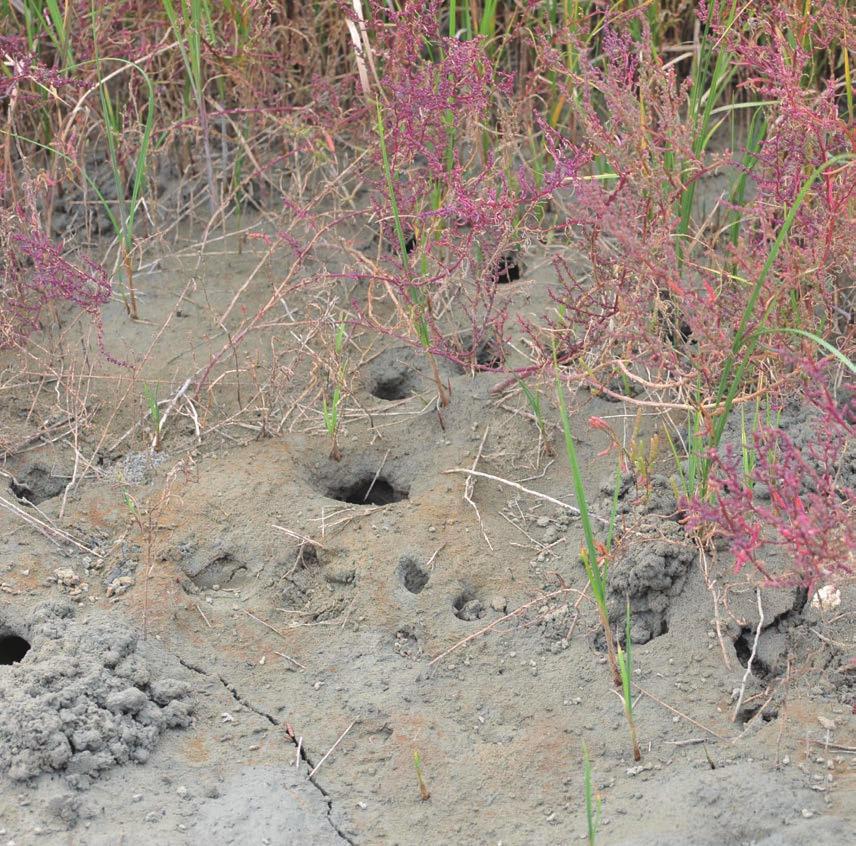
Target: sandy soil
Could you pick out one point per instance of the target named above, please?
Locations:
(320, 641)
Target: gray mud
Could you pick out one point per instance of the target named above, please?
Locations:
(83, 698)
(301, 620)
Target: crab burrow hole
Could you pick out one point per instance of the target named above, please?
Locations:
(412, 574)
(507, 269)
(396, 386)
(360, 483)
(467, 606)
(13, 646)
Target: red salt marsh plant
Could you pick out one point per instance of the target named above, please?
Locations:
(37, 274)
(792, 504)
(479, 128)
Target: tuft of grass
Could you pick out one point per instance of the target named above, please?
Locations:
(533, 398)
(596, 564)
(123, 224)
(331, 409)
(421, 304)
(746, 339)
(188, 28)
(154, 415)
(625, 666)
(592, 803)
(424, 793)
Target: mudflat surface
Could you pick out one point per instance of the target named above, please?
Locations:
(237, 640)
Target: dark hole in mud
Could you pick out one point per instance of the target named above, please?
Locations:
(488, 355)
(412, 575)
(22, 493)
(35, 486)
(507, 269)
(743, 648)
(12, 649)
(680, 333)
(368, 491)
(307, 556)
(395, 387)
(467, 606)
(677, 330)
(745, 714)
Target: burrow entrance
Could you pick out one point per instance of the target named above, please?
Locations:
(394, 387)
(412, 574)
(486, 354)
(507, 269)
(365, 489)
(36, 485)
(13, 648)
(489, 355)
(467, 606)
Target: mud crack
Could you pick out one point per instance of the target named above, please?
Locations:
(301, 749)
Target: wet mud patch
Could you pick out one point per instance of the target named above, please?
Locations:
(651, 564)
(412, 574)
(224, 571)
(209, 566)
(650, 574)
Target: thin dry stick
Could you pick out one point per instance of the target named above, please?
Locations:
(529, 491)
(751, 656)
(202, 614)
(437, 551)
(330, 750)
(298, 536)
(711, 586)
(289, 658)
(266, 625)
(680, 713)
(517, 611)
(376, 475)
(469, 489)
(51, 532)
(170, 406)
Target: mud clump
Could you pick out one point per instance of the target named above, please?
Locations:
(83, 699)
(467, 606)
(651, 564)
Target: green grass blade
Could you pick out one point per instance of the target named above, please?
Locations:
(597, 576)
(810, 336)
